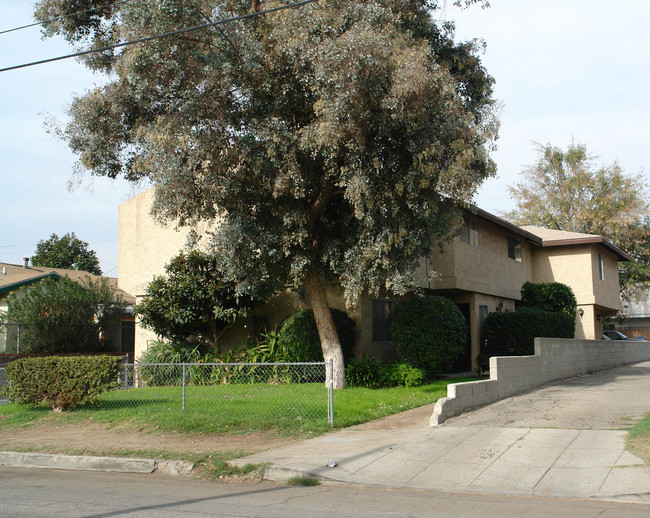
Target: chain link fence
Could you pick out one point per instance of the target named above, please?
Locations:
(242, 390)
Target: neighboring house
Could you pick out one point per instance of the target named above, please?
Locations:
(481, 270)
(635, 317)
(14, 278)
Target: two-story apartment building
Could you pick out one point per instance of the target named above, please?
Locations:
(481, 270)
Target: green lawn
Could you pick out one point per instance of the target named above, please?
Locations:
(286, 409)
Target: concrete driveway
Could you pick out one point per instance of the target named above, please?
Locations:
(566, 439)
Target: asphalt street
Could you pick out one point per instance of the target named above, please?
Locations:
(34, 493)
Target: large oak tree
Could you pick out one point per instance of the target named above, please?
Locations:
(332, 140)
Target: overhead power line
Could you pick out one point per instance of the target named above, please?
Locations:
(63, 16)
(149, 38)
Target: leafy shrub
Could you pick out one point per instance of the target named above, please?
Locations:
(372, 373)
(366, 372)
(63, 382)
(401, 374)
(166, 352)
(430, 332)
(61, 315)
(513, 334)
(268, 349)
(298, 335)
(193, 303)
(553, 297)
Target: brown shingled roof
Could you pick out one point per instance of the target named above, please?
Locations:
(13, 276)
(551, 237)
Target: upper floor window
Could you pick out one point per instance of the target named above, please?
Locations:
(514, 248)
(469, 231)
(381, 313)
(601, 267)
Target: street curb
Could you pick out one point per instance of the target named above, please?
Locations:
(76, 462)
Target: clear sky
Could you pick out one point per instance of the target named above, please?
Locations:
(564, 70)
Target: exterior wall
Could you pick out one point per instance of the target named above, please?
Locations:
(578, 267)
(482, 268)
(145, 247)
(479, 273)
(554, 358)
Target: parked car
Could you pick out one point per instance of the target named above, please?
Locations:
(612, 334)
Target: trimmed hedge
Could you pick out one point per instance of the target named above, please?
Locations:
(513, 334)
(430, 332)
(554, 297)
(62, 382)
(298, 336)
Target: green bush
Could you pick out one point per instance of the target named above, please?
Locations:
(553, 297)
(400, 374)
(298, 336)
(430, 332)
(372, 373)
(62, 382)
(365, 372)
(513, 334)
(166, 352)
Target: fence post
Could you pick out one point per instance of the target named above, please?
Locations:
(184, 386)
(126, 375)
(330, 392)
(18, 340)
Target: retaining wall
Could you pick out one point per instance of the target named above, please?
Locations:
(555, 358)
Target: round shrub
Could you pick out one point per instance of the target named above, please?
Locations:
(553, 297)
(298, 335)
(430, 332)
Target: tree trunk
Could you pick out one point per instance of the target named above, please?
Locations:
(329, 338)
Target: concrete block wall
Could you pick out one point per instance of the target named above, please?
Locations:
(554, 358)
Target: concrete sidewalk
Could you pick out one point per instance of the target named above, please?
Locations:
(496, 449)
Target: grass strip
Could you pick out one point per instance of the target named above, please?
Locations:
(638, 439)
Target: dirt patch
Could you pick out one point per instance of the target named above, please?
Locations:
(97, 439)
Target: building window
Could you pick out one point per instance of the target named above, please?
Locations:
(469, 232)
(482, 315)
(514, 249)
(601, 267)
(381, 313)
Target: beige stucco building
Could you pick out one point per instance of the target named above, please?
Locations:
(481, 270)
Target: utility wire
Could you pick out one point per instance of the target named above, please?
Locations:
(98, 8)
(149, 38)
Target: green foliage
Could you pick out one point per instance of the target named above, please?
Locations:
(61, 382)
(365, 372)
(372, 373)
(298, 335)
(64, 316)
(192, 304)
(268, 349)
(553, 297)
(67, 252)
(167, 352)
(328, 139)
(430, 332)
(513, 333)
(401, 374)
(170, 353)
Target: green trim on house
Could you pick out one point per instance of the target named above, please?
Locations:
(8, 288)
